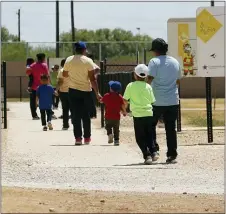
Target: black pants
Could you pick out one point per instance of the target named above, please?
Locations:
(56, 100)
(113, 124)
(143, 135)
(45, 114)
(80, 103)
(93, 112)
(64, 97)
(30, 82)
(169, 114)
(33, 105)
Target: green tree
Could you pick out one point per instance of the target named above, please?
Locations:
(115, 46)
(110, 48)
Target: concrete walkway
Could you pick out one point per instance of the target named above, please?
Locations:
(33, 158)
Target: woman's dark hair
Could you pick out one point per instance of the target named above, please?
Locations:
(40, 57)
(30, 61)
(44, 77)
(62, 62)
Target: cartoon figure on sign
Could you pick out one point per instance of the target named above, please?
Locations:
(188, 59)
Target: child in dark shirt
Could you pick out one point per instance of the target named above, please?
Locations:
(114, 104)
(44, 99)
(30, 82)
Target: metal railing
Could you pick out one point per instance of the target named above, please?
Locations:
(3, 95)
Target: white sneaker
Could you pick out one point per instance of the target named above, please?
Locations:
(148, 161)
(50, 126)
(110, 138)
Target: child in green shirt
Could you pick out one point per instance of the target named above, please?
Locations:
(140, 96)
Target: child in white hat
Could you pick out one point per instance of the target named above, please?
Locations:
(140, 96)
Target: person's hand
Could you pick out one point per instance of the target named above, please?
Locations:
(56, 93)
(99, 97)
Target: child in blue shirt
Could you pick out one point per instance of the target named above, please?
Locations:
(45, 93)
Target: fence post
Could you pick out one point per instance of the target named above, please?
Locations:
(4, 95)
(137, 59)
(145, 56)
(20, 78)
(100, 52)
(102, 91)
(209, 110)
(27, 49)
(179, 113)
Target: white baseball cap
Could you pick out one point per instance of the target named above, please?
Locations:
(141, 70)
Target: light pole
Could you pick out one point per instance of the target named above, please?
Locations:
(138, 31)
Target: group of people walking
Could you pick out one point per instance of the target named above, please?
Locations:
(153, 95)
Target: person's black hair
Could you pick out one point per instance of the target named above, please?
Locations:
(44, 77)
(30, 61)
(62, 62)
(40, 56)
(79, 51)
(163, 50)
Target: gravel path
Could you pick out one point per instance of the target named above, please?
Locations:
(33, 158)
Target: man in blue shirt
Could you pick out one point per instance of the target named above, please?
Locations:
(164, 76)
(45, 93)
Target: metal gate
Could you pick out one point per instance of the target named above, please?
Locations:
(124, 78)
(3, 95)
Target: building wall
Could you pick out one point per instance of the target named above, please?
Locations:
(190, 87)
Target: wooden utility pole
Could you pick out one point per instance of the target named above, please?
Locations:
(57, 30)
(72, 25)
(18, 14)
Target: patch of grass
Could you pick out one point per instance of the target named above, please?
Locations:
(198, 118)
(200, 103)
(17, 100)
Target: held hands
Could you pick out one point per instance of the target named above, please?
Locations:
(99, 97)
(56, 93)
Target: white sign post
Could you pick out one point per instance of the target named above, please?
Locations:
(210, 31)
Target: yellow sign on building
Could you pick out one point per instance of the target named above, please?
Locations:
(183, 36)
(206, 25)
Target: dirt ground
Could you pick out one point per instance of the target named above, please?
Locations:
(21, 200)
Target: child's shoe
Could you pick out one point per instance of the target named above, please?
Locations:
(45, 128)
(29, 90)
(110, 138)
(50, 126)
(155, 156)
(54, 117)
(171, 160)
(148, 160)
(116, 143)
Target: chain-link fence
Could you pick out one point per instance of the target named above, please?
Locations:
(115, 51)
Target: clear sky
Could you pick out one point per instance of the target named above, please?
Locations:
(38, 18)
